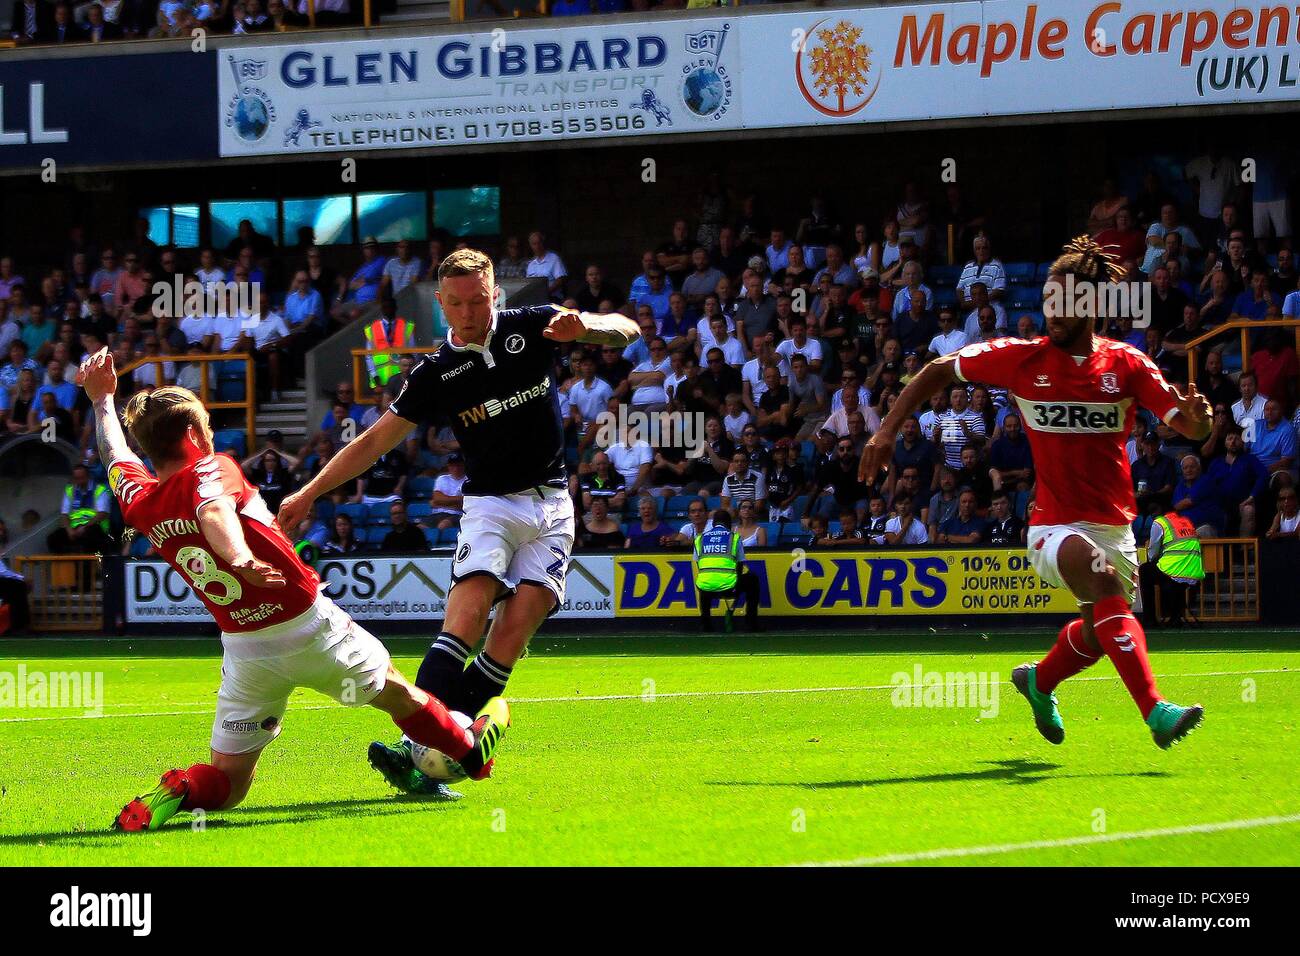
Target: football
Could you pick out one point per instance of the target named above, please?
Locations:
(435, 763)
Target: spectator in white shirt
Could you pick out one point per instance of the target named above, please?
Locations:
(904, 527)
(979, 299)
(958, 427)
(1251, 404)
(647, 379)
(983, 268)
(950, 338)
(798, 342)
(546, 265)
(721, 338)
(736, 418)
(589, 395)
(632, 462)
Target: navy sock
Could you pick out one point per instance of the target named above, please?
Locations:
(482, 680)
(440, 671)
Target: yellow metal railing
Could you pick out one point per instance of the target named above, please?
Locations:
(249, 401)
(1244, 326)
(67, 591)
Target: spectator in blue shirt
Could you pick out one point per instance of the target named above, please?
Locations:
(650, 531)
(1274, 440)
(965, 527)
(1240, 478)
(303, 307)
(1011, 464)
(65, 393)
(659, 290)
(364, 287)
(1196, 498)
(1254, 303)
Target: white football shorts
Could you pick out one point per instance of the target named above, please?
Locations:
(1115, 542)
(322, 648)
(525, 537)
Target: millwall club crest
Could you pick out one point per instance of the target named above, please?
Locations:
(1110, 383)
(250, 111)
(706, 87)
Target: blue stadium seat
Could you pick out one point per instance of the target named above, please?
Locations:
(773, 532)
(139, 546)
(792, 532)
(1024, 297)
(676, 506)
(807, 451)
(378, 514)
(714, 502)
(800, 506)
(325, 510)
(231, 440)
(418, 510)
(230, 390)
(358, 514)
(420, 487)
(1020, 271)
(448, 535)
(943, 275)
(833, 527)
(1043, 269)
(431, 535)
(945, 295)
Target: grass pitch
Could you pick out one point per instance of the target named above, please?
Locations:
(695, 750)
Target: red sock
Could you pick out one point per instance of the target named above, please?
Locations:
(1125, 643)
(1068, 656)
(433, 726)
(209, 788)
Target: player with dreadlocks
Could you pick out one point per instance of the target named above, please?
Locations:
(1078, 395)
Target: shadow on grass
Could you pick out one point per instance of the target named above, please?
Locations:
(1017, 772)
(228, 821)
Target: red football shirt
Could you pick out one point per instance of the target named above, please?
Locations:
(1078, 413)
(167, 513)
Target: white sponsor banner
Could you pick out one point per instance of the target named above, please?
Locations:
(1007, 57)
(823, 66)
(379, 587)
(507, 85)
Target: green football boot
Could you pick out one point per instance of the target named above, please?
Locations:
(153, 809)
(1046, 716)
(1170, 723)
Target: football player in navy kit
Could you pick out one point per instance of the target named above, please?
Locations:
(492, 379)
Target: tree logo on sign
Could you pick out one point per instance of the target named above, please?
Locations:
(834, 71)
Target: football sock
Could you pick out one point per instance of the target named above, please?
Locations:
(433, 726)
(444, 663)
(1125, 643)
(209, 788)
(1068, 656)
(482, 680)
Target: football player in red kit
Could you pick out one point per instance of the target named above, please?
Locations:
(1078, 394)
(278, 632)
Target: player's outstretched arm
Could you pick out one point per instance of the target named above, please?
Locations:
(356, 456)
(879, 451)
(611, 328)
(98, 377)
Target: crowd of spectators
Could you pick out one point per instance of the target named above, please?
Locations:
(769, 354)
(44, 22)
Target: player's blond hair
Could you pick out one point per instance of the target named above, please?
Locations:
(1083, 258)
(158, 420)
(466, 262)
